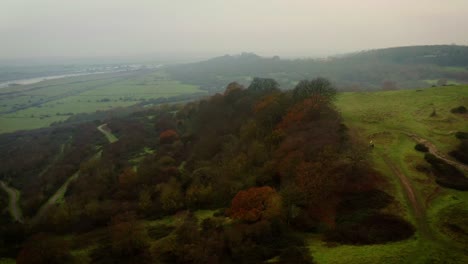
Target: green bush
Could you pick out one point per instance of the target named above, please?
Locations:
(461, 135)
(447, 175)
(372, 229)
(421, 147)
(459, 110)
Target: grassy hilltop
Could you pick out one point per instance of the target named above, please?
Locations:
(385, 118)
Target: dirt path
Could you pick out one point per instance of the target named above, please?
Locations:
(14, 195)
(55, 198)
(104, 129)
(434, 151)
(59, 194)
(417, 207)
(13, 205)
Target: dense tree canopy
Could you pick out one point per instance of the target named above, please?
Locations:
(263, 85)
(313, 88)
(257, 203)
(269, 162)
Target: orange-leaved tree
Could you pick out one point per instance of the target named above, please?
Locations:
(168, 136)
(255, 204)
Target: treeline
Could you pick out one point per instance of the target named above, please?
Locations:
(406, 67)
(271, 164)
(441, 55)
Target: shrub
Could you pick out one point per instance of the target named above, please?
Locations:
(461, 152)
(461, 135)
(374, 199)
(459, 110)
(460, 156)
(447, 175)
(421, 147)
(371, 229)
(360, 222)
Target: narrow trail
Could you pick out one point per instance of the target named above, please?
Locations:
(55, 198)
(418, 208)
(59, 194)
(13, 205)
(434, 151)
(104, 129)
(14, 195)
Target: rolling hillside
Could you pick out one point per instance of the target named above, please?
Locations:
(301, 176)
(404, 67)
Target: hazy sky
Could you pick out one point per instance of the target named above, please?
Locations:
(43, 28)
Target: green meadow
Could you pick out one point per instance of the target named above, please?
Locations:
(41, 104)
(385, 118)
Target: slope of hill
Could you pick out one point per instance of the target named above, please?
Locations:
(441, 55)
(403, 67)
(251, 175)
(395, 121)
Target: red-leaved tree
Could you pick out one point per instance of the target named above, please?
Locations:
(255, 204)
(168, 136)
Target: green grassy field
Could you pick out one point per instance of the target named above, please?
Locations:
(384, 117)
(41, 104)
(435, 81)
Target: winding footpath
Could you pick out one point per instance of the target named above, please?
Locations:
(14, 195)
(418, 208)
(55, 198)
(13, 205)
(434, 151)
(59, 194)
(104, 129)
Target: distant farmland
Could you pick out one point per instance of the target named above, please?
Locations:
(41, 104)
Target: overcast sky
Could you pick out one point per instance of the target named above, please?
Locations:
(76, 28)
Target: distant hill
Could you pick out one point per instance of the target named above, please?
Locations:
(442, 55)
(404, 67)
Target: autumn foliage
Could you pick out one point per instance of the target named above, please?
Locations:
(168, 136)
(275, 161)
(257, 203)
(128, 178)
(307, 110)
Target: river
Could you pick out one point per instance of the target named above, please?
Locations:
(53, 77)
(46, 78)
